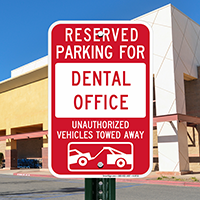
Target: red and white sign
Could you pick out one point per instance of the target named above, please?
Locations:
(100, 99)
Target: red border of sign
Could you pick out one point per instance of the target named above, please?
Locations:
(50, 100)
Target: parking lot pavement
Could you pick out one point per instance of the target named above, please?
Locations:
(191, 180)
(18, 187)
(44, 188)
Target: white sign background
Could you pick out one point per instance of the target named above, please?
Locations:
(65, 92)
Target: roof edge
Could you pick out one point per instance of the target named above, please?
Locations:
(24, 79)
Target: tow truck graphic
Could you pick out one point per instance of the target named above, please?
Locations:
(113, 157)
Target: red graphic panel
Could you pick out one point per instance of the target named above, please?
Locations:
(103, 156)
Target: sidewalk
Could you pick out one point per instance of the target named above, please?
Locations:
(190, 180)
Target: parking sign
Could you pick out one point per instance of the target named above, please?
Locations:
(100, 99)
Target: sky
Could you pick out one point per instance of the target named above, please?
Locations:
(24, 24)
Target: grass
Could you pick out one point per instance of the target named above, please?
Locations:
(165, 178)
(194, 179)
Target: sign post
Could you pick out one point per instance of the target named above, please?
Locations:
(100, 188)
(100, 99)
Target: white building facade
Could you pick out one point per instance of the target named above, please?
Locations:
(176, 57)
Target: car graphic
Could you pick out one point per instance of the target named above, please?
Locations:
(76, 156)
(119, 158)
(114, 157)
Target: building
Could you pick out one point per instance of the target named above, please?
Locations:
(24, 109)
(176, 61)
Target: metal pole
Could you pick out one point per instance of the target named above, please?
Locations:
(100, 189)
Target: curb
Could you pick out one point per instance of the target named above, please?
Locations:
(158, 182)
(140, 181)
(34, 175)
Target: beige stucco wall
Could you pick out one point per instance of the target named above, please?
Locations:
(24, 101)
(155, 151)
(2, 147)
(25, 105)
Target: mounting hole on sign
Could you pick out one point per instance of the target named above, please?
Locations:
(100, 165)
(82, 161)
(100, 34)
(120, 162)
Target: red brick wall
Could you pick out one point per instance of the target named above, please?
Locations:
(11, 158)
(45, 158)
